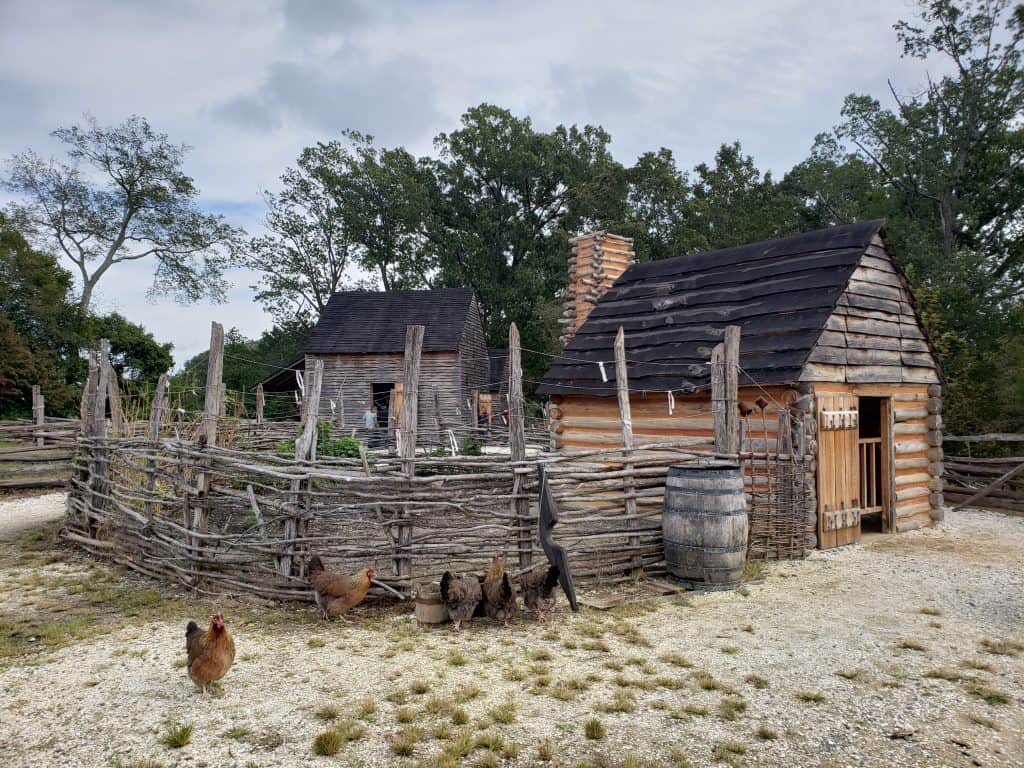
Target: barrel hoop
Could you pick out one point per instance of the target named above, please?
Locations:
(738, 491)
(714, 550)
(687, 512)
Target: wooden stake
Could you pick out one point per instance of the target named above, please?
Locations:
(517, 445)
(410, 396)
(117, 425)
(156, 415)
(88, 394)
(305, 450)
(260, 403)
(410, 416)
(626, 419)
(214, 374)
(732, 365)
(38, 413)
(718, 399)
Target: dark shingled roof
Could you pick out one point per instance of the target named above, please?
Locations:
(780, 292)
(374, 322)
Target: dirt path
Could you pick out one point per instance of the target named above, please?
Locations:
(21, 514)
(927, 629)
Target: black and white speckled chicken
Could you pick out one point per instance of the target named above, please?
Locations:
(499, 597)
(538, 588)
(461, 596)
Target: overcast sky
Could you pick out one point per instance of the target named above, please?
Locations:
(249, 84)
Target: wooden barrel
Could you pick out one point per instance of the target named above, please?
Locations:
(705, 525)
(429, 607)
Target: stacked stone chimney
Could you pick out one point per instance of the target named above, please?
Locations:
(596, 261)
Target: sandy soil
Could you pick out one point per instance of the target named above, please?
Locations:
(20, 514)
(106, 702)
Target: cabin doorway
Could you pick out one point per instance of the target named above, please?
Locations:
(382, 396)
(874, 453)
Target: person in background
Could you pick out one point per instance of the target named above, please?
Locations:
(370, 424)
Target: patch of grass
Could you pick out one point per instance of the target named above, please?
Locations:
(460, 716)
(435, 705)
(419, 687)
(707, 682)
(540, 654)
(676, 660)
(977, 664)
(696, 710)
(460, 746)
(753, 570)
(743, 591)
(728, 751)
(850, 674)
(328, 743)
(405, 715)
(944, 673)
(561, 691)
(457, 659)
(749, 628)
(515, 674)
(989, 695)
(765, 733)
(177, 735)
(504, 713)
(180, 663)
(545, 750)
(236, 732)
(442, 731)
(679, 758)
(136, 764)
(328, 712)
(398, 696)
(596, 645)
(614, 666)
(487, 760)
(757, 681)
(316, 642)
(810, 697)
(935, 624)
(730, 709)
(730, 650)
(982, 721)
(594, 729)
(929, 610)
(570, 644)
(912, 645)
(622, 701)
(467, 693)
(1001, 647)
(630, 635)
(366, 708)
(403, 743)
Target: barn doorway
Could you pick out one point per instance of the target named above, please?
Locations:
(874, 447)
(381, 394)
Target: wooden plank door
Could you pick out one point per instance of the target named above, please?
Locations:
(838, 471)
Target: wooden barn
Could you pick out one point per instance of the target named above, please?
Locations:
(828, 327)
(494, 394)
(360, 337)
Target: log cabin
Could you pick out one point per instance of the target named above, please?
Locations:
(828, 327)
(360, 337)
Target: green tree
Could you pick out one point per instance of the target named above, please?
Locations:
(304, 257)
(951, 158)
(507, 199)
(143, 206)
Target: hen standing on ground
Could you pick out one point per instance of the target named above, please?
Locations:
(335, 592)
(499, 597)
(538, 588)
(461, 595)
(210, 653)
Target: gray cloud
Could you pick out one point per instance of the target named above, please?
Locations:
(325, 17)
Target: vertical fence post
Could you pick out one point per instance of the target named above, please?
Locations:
(156, 416)
(88, 395)
(98, 466)
(117, 426)
(339, 413)
(410, 415)
(626, 420)
(38, 413)
(261, 401)
(718, 399)
(731, 361)
(208, 435)
(296, 524)
(517, 448)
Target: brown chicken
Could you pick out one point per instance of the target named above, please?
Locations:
(210, 653)
(461, 596)
(336, 592)
(499, 597)
(538, 587)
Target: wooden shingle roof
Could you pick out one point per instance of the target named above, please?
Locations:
(780, 292)
(374, 322)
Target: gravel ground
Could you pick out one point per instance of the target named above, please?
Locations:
(19, 514)
(938, 593)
